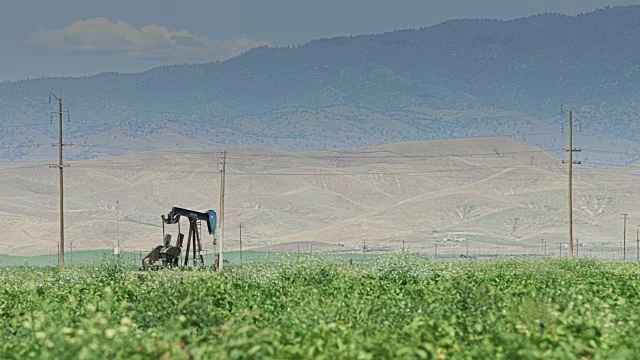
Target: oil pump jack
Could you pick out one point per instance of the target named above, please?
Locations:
(170, 254)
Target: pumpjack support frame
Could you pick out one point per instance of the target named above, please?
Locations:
(170, 254)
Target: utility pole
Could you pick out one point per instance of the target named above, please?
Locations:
(435, 251)
(571, 150)
(364, 250)
(403, 246)
(621, 249)
(240, 227)
(61, 109)
(624, 237)
(222, 186)
(118, 226)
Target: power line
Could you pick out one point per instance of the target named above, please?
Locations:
(117, 147)
(115, 167)
(318, 159)
(21, 105)
(20, 147)
(360, 156)
(635, 166)
(364, 137)
(257, 161)
(467, 169)
(382, 117)
(613, 152)
(453, 177)
(12, 168)
(270, 174)
(248, 162)
(396, 166)
(610, 136)
(23, 125)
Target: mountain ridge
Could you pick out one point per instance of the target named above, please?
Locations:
(408, 77)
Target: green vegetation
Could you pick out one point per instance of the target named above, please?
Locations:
(402, 307)
(134, 259)
(80, 258)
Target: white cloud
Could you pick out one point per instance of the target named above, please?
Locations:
(100, 35)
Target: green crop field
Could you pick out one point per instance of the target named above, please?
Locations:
(134, 259)
(396, 308)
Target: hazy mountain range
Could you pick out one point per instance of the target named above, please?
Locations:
(461, 78)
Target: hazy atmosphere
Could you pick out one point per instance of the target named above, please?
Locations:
(292, 179)
(78, 37)
(463, 117)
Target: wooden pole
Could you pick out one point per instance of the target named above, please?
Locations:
(222, 188)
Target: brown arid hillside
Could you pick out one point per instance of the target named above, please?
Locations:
(488, 191)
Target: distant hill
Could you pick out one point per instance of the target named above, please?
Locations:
(492, 192)
(461, 78)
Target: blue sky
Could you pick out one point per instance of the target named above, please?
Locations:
(76, 37)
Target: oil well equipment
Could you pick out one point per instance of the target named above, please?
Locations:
(170, 255)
